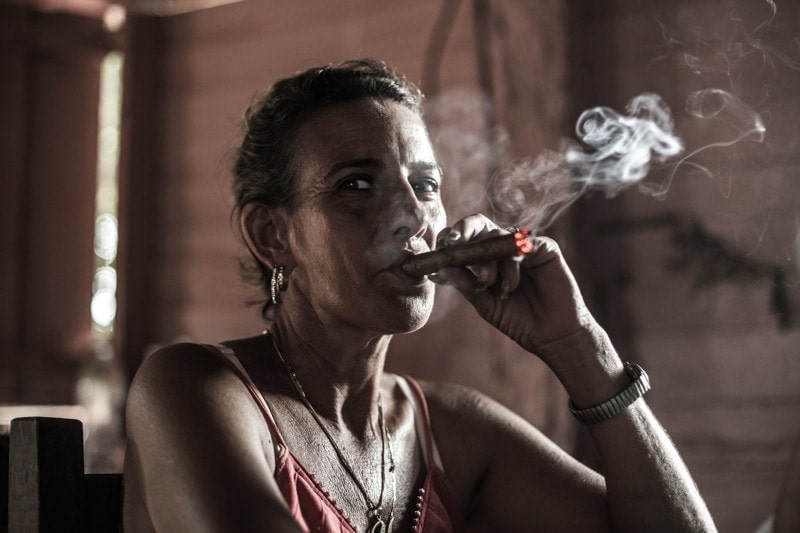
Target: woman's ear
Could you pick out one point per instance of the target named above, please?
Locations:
(263, 233)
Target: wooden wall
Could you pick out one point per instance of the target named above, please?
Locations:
(702, 285)
(49, 67)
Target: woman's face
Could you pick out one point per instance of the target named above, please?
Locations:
(367, 197)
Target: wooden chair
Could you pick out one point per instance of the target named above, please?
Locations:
(4, 482)
(48, 489)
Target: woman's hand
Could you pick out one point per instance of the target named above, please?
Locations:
(537, 303)
(534, 301)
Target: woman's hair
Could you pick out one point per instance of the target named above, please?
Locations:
(265, 169)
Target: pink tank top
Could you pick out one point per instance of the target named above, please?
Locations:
(437, 508)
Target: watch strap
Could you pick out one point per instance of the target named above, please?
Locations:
(640, 384)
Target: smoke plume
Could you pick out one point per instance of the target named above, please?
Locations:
(615, 151)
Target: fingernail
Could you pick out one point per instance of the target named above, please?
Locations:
(452, 237)
(504, 292)
(436, 279)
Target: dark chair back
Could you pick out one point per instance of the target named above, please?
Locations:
(4, 438)
(48, 489)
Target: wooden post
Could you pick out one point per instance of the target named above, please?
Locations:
(45, 475)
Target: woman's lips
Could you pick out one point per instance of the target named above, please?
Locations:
(406, 277)
(511, 245)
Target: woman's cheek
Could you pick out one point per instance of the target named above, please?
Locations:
(437, 217)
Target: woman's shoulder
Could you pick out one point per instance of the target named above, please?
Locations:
(189, 384)
(184, 359)
(472, 432)
(181, 351)
(189, 416)
(176, 376)
(448, 398)
(192, 359)
(465, 410)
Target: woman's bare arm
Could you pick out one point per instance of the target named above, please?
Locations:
(200, 453)
(537, 303)
(508, 475)
(513, 478)
(648, 485)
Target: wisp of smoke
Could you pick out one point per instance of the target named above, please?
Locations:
(722, 105)
(740, 121)
(616, 152)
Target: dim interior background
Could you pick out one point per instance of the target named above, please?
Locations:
(118, 123)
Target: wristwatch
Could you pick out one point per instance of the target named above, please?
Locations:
(640, 384)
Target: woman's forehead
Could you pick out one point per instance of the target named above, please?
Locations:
(364, 128)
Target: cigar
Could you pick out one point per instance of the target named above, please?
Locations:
(517, 245)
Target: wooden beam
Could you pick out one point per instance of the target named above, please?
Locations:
(45, 475)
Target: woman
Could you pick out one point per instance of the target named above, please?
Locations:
(300, 428)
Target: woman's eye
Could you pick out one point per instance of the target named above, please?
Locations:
(356, 183)
(426, 186)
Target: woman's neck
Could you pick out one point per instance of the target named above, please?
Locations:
(338, 370)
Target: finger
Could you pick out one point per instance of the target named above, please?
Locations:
(486, 275)
(503, 276)
(544, 251)
(452, 236)
(462, 279)
(472, 226)
(478, 227)
(510, 275)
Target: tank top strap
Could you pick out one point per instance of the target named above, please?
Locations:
(422, 419)
(227, 354)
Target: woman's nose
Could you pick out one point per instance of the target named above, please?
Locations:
(408, 215)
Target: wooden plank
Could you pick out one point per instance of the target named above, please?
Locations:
(45, 475)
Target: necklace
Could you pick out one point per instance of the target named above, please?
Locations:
(375, 511)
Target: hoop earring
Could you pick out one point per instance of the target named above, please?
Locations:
(277, 283)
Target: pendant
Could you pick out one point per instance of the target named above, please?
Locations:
(379, 526)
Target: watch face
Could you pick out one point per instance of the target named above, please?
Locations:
(633, 370)
(638, 376)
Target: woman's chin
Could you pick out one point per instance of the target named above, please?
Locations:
(409, 314)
